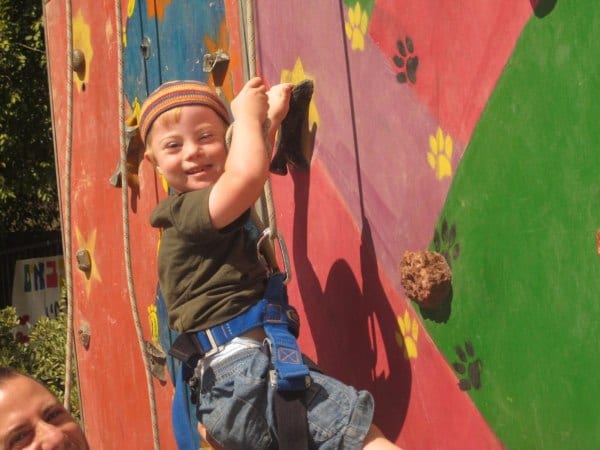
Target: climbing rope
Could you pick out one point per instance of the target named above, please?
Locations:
(267, 198)
(66, 213)
(67, 210)
(126, 242)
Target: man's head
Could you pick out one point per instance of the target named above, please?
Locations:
(31, 417)
(183, 125)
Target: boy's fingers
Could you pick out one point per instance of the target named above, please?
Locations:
(255, 82)
(280, 90)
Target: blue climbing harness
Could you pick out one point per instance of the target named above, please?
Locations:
(280, 322)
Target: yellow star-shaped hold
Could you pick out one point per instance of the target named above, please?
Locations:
(82, 41)
(130, 10)
(130, 7)
(89, 245)
(295, 76)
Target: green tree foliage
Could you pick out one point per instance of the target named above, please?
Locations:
(28, 193)
(42, 356)
(12, 353)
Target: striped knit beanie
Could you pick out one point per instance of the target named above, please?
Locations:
(179, 93)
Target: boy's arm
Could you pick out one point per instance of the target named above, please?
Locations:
(247, 165)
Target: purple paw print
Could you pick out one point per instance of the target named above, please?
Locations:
(406, 61)
(468, 367)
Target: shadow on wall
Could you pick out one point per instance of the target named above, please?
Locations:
(343, 320)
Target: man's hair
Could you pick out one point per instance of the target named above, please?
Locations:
(7, 373)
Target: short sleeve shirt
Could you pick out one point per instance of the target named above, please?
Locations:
(207, 276)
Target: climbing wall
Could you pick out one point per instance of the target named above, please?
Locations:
(119, 320)
(465, 128)
(523, 209)
(115, 389)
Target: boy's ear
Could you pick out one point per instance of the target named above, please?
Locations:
(149, 156)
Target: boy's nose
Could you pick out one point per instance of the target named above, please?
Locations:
(191, 150)
(50, 437)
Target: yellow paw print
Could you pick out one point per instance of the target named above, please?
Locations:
(356, 27)
(440, 154)
(153, 320)
(408, 335)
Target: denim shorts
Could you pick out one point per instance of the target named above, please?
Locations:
(236, 405)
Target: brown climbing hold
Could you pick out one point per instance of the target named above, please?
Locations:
(85, 334)
(157, 360)
(426, 277)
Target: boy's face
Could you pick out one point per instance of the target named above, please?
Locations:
(190, 152)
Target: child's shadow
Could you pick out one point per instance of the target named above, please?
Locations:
(343, 318)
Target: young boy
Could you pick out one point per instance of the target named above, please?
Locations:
(211, 275)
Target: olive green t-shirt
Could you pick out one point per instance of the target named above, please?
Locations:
(207, 276)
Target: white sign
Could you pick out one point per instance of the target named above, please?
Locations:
(36, 288)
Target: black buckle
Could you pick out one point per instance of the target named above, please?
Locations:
(186, 349)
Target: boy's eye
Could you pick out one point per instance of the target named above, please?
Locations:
(204, 136)
(172, 145)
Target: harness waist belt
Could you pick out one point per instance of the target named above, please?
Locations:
(211, 339)
(280, 322)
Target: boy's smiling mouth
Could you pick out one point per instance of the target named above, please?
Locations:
(197, 170)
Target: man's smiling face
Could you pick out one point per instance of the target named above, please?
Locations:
(32, 418)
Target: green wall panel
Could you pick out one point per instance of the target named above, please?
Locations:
(520, 220)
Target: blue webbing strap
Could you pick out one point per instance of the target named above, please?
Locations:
(290, 372)
(290, 376)
(272, 312)
(184, 422)
(223, 333)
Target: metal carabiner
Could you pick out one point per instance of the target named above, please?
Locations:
(287, 268)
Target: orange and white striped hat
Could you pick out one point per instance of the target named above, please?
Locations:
(173, 94)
